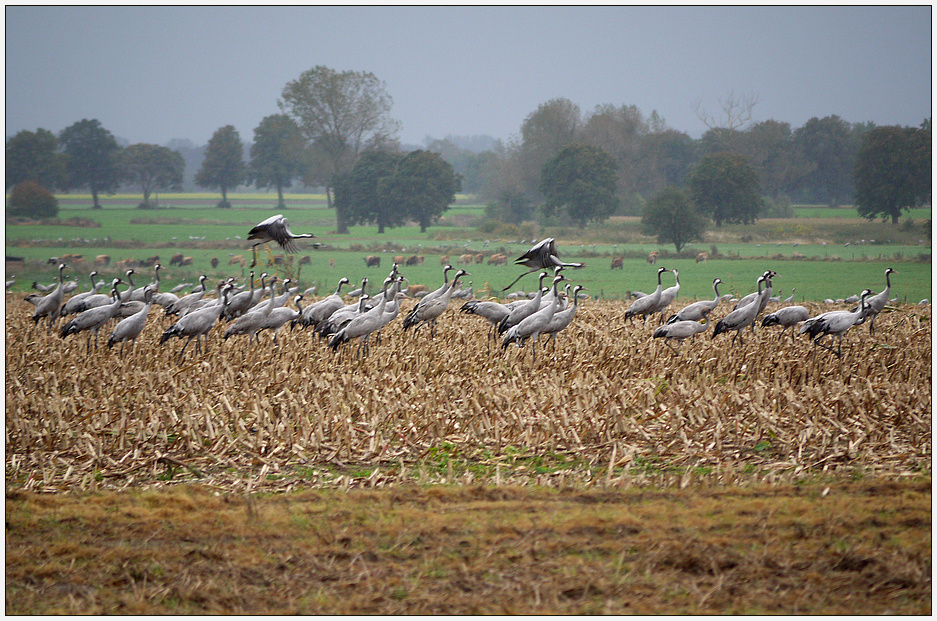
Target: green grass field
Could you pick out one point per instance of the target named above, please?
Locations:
(824, 252)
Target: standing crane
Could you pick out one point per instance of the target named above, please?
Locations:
(698, 310)
(645, 305)
(533, 325)
(562, 318)
(667, 296)
(129, 328)
(835, 323)
(49, 305)
(786, 317)
(314, 314)
(679, 330)
(94, 319)
(876, 303)
(430, 310)
(543, 255)
(197, 324)
(740, 318)
(524, 309)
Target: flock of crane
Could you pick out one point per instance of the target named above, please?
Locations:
(546, 313)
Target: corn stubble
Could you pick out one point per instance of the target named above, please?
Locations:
(611, 407)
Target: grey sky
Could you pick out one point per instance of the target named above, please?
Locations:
(158, 73)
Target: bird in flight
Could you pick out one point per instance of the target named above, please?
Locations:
(275, 228)
(542, 255)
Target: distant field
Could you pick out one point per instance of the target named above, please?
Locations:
(848, 253)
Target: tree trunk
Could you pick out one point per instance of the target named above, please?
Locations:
(341, 226)
(94, 198)
(280, 203)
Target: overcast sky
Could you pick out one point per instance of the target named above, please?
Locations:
(158, 73)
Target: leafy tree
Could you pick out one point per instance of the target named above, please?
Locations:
(893, 171)
(667, 157)
(91, 158)
(32, 156)
(362, 194)
(725, 187)
(829, 146)
(544, 133)
(223, 167)
(770, 149)
(619, 132)
(423, 186)
(153, 167)
(673, 218)
(581, 181)
(31, 200)
(340, 115)
(278, 154)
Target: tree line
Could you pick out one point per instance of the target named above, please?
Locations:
(334, 130)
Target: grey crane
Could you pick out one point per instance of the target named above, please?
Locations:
(275, 228)
(94, 319)
(533, 325)
(197, 324)
(49, 305)
(740, 318)
(362, 325)
(239, 303)
(679, 330)
(125, 295)
(834, 323)
(314, 314)
(129, 328)
(523, 309)
(875, 304)
(698, 310)
(139, 295)
(251, 323)
(494, 312)
(667, 296)
(645, 305)
(186, 301)
(790, 298)
(429, 310)
(562, 318)
(543, 255)
(761, 297)
(278, 316)
(11, 282)
(74, 302)
(786, 317)
(92, 301)
(337, 320)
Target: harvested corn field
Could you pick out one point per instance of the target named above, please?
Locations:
(614, 476)
(611, 406)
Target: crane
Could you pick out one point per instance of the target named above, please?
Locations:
(524, 309)
(645, 305)
(739, 318)
(275, 228)
(543, 255)
(50, 304)
(835, 323)
(429, 310)
(533, 325)
(75, 301)
(679, 330)
(197, 324)
(698, 310)
(667, 296)
(314, 314)
(94, 319)
(562, 318)
(129, 328)
(875, 304)
(786, 317)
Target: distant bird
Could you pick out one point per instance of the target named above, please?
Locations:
(196, 324)
(679, 330)
(129, 328)
(11, 282)
(787, 317)
(835, 323)
(523, 309)
(667, 296)
(543, 255)
(646, 305)
(275, 228)
(429, 309)
(532, 326)
(698, 310)
(875, 304)
(49, 305)
(790, 298)
(740, 318)
(314, 314)
(562, 319)
(93, 319)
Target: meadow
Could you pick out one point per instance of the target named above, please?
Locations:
(438, 476)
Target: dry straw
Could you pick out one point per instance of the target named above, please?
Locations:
(611, 407)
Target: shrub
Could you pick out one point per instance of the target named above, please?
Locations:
(30, 200)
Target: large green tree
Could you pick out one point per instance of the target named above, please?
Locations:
(544, 133)
(278, 155)
(153, 167)
(423, 186)
(725, 187)
(223, 167)
(363, 193)
(581, 181)
(91, 158)
(33, 156)
(673, 218)
(829, 147)
(341, 114)
(893, 171)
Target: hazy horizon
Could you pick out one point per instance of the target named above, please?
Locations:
(154, 74)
